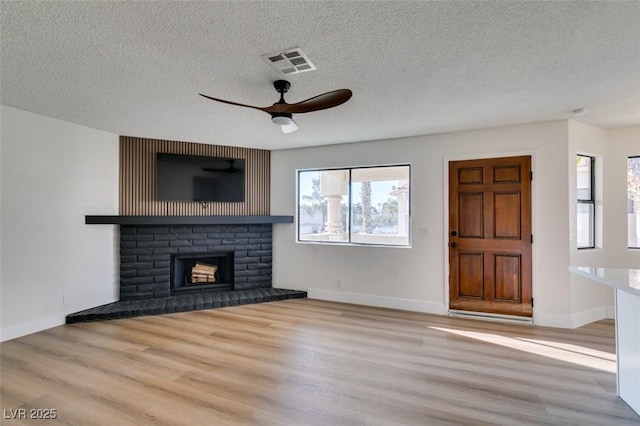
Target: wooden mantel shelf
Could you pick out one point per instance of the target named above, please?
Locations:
(185, 220)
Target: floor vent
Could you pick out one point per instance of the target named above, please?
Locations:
(291, 61)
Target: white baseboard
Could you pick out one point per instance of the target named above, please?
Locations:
(572, 321)
(18, 330)
(587, 317)
(378, 301)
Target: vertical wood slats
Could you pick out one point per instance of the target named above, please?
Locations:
(138, 179)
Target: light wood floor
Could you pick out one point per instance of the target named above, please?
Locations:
(309, 362)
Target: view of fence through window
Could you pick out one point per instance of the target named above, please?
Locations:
(633, 202)
(367, 205)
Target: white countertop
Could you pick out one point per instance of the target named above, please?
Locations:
(625, 279)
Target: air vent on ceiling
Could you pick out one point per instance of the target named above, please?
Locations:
(291, 61)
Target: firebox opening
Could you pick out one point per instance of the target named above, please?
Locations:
(195, 272)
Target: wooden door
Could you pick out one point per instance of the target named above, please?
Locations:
(490, 236)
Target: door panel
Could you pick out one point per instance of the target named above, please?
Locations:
(490, 235)
(471, 224)
(506, 208)
(471, 265)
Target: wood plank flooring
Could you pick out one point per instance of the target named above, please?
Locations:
(310, 362)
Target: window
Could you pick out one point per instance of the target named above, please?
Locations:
(363, 205)
(586, 202)
(633, 201)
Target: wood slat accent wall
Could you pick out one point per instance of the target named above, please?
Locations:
(138, 179)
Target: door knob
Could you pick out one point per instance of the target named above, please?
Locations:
(453, 245)
(454, 234)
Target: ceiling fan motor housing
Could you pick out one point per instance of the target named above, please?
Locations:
(282, 86)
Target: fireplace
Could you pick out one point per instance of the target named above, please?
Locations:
(148, 254)
(202, 271)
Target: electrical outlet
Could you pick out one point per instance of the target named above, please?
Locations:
(340, 283)
(66, 299)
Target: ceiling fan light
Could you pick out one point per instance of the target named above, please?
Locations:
(281, 120)
(289, 128)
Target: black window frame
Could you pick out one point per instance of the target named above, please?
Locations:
(589, 201)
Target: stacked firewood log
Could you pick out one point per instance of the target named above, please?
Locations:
(203, 273)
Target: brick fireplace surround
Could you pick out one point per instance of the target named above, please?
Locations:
(145, 255)
(146, 251)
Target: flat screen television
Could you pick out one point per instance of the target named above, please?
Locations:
(198, 178)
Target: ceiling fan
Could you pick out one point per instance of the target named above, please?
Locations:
(282, 113)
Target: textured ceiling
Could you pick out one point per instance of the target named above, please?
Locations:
(136, 68)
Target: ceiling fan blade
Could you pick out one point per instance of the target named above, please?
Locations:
(289, 128)
(234, 103)
(317, 103)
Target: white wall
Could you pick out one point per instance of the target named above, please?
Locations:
(53, 173)
(414, 278)
(590, 301)
(621, 144)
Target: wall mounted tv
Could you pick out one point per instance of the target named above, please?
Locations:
(197, 178)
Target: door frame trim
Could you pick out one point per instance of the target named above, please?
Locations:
(534, 215)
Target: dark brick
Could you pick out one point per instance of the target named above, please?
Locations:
(128, 288)
(128, 273)
(152, 244)
(190, 249)
(161, 293)
(191, 236)
(265, 272)
(137, 265)
(127, 229)
(239, 260)
(165, 237)
(161, 264)
(219, 235)
(262, 241)
(181, 229)
(240, 267)
(161, 279)
(259, 266)
(247, 235)
(153, 230)
(150, 272)
(248, 246)
(233, 241)
(247, 273)
(136, 251)
(165, 250)
(234, 228)
(180, 243)
(151, 287)
(266, 259)
(153, 258)
(259, 253)
(139, 296)
(205, 242)
(136, 237)
(259, 228)
(258, 279)
(135, 281)
(128, 258)
(199, 229)
(127, 244)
